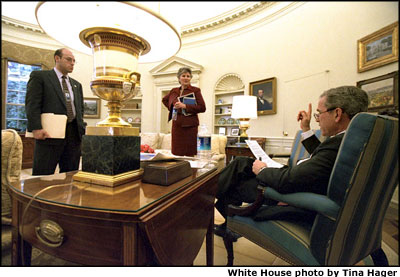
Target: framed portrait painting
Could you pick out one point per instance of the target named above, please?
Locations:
(383, 91)
(265, 91)
(91, 107)
(379, 48)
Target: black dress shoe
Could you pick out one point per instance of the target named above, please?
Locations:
(222, 231)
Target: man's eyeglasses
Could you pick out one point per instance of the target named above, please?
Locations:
(70, 60)
(316, 115)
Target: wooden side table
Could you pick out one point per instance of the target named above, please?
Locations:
(234, 150)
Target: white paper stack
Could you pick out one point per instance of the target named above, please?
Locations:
(53, 124)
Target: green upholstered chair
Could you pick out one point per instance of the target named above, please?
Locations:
(348, 224)
(298, 152)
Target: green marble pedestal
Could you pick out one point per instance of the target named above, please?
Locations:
(110, 160)
(110, 155)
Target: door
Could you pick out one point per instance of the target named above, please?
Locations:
(165, 126)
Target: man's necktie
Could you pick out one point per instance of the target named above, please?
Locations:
(70, 113)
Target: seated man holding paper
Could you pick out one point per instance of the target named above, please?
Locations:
(238, 182)
(54, 109)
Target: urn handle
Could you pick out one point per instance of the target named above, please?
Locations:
(136, 79)
(50, 233)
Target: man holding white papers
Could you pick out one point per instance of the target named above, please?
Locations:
(54, 92)
(238, 182)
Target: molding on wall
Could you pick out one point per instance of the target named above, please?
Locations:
(21, 24)
(278, 145)
(210, 24)
(229, 82)
(233, 22)
(172, 65)
(225, 19)
(257, 19)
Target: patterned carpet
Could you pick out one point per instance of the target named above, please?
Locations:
(390, 236)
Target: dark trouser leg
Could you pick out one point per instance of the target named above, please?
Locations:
(236, 184)
(45, 158)
(71, 154)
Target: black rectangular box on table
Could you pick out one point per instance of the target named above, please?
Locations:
(166, 173)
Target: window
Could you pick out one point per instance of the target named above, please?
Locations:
(17, 79)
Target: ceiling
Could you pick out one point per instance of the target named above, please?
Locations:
(180, 14)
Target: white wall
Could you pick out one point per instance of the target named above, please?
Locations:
(296, 48)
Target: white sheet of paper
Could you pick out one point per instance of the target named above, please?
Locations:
(197, 164)
(54, 124)
(258, 152)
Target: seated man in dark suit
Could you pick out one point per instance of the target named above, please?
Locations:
(238, 182)
(262, 103)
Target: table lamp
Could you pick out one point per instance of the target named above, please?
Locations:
(117, 34)
(244, 108)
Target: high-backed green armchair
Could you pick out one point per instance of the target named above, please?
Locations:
(298, 151)
(348, 224)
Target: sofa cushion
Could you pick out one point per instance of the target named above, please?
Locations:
(151, 139)
(166, 142)
(222, 143)
(218, 144)
(215, 149)
(11, 162)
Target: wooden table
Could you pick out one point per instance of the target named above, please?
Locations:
(234, 150)
(132, 224)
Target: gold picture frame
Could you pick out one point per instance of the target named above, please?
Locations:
(91, 107)
(378, 48)
(382, 91)
(267, 105)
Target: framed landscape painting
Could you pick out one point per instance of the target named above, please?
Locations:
(91, 107)
(379, 48)
(383, 91)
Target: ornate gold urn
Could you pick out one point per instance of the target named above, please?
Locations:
(115, 57)
(117, 33)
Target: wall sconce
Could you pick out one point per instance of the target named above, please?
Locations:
(244, 108)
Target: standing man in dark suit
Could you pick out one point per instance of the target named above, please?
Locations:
(53, 91)
(238, 182)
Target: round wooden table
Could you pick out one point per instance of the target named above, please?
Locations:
(131, 224)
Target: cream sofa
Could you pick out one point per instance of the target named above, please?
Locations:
(162, 141)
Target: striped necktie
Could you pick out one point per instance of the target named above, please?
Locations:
(70, 113)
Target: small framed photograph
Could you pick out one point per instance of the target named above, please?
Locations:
(235, 131)
(265, 91)
(382, 91)
(222, 131)
(91, 107)
(378, 48)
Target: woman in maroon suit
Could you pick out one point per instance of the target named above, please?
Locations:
(185, 120)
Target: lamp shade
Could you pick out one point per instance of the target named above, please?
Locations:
(64, 22)
(244, 106)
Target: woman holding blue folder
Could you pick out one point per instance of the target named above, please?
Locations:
(184, 103)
